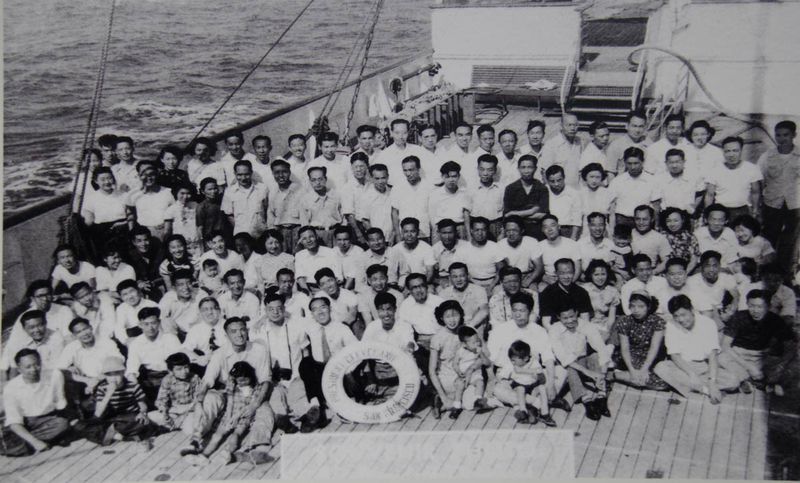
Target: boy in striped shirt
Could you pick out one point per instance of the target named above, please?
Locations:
(121, 405)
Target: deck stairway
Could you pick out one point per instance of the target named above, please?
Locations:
(607, 84)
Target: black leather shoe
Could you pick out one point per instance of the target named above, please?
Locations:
(285, 424)
(591, 410)
(560, 403)
(310, 420)
(602, 406)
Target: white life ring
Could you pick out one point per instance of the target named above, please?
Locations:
(346, 360)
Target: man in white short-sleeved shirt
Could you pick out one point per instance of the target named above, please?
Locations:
(656, 154)
(313, 257)
(564, 149)
(564, 202)
(734, 184)
(460, 150)
(712, 282)
(554, 247)
(716, 236)
(645, 239)
(235, 145)
(393, 155)
(680, 189)
(632, 188)
(245, 203)
(635, 136)
(595, 245)
(595, 151)
(483, 257)
(337, 166)
(431, 155)
(676, 277)
(522, 252)
(419, 309)
(84, 357)
(409, 197)
(417, 254)
(376, 203)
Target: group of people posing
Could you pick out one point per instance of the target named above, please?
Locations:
(212, 293)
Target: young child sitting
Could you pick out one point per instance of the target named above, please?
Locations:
(527, 377)
(177, 395)
(621, 252)
(243, 395)
(469, 361)
(113, 273)
(69, 270)
(211, 277)
(120, 406)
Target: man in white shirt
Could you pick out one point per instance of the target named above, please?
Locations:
(564, 149)
(486, 195)
(432, 156)
(632, 188)
(647, 240)
(447, 250)
(713, 283)
(381, 254)
(285, 337)
(522, 252)
(716, 235)
(313, 257)
(147, 354)
(417, 254)
(326, 337)
(472, 298)
(296, 302)
(643, 281)
(344, 303)
(482, 256)
(378, 283)
(127, 318)
(734, 184)
(125, 173)
(460, 151)
(238, 302)
(359, 185)
(679, 188)
(507, 157)
(349, 255)
(180, 307)
(410, 197)
(673, 138)
(469, 169)
(635, 136)
(692, 343)
(97, 307)
(40, 296)
(376, 204)
(564, 202)
(337, 166)
(46, 342)
(394, 154)
(501, 338)
(235, 144)
(535, 132)
(32, 402)
(245, 203)
(595, 151)
(595, 245)
(83, 360)
(555, 247)
(676, 277)
(419, 311)
(450, 200)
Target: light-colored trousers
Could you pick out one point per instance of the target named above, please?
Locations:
(682, 383)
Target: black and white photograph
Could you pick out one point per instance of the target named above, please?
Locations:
(400, 239)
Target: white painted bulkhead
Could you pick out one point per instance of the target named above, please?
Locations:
(745, 52)
(524, 35)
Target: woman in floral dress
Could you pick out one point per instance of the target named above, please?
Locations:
(641, 337)
(676, 226)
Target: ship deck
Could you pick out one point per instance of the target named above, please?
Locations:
(650, 435)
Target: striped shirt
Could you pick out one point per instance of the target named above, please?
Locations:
(125, 400)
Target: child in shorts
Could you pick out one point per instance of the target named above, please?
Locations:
(621, 252)
(211, 277)
(468, 362)
(177, 395)
(527, 377)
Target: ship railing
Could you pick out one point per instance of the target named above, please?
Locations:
(672, 104)
(569, 76)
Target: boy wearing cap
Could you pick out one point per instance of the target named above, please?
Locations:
(120, 405)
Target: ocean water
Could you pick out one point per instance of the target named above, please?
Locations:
(171, 64)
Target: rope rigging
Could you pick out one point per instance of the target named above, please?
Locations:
(252, 70)
(91, 122)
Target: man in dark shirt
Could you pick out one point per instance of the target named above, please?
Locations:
(527, 197)
(564, 293)
(748, 342)
(144, 257)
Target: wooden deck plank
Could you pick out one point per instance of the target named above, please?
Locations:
(161, 461)
(723, 435)
(619, 435)
(47, 459)
(583, 434)
(163, 443)
(668, 444)
(703, 445)
(632, 445)
(107, 466)
(737, 466)
(602, 433)
(652, 435)
(57, 459)
(70, 471)
(682, 460)
(757, 453)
